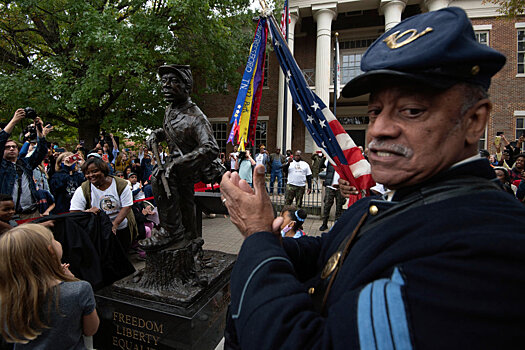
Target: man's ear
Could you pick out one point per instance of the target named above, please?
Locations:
(475, 120)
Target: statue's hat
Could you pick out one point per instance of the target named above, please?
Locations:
(182, 70)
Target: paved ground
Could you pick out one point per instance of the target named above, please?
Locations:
(220, 234)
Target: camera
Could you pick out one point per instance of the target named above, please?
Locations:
(31, 130)
(30, 113)
(242, 156)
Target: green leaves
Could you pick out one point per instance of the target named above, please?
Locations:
(510, 8)
(85, 62)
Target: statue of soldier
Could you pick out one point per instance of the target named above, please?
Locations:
(193, 158)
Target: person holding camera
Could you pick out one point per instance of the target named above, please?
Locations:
(244, 164)
(16, 175)
(65, 181)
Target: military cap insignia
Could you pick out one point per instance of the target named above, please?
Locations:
(391, 40)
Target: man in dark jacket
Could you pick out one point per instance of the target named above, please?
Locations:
(331, 194)
(16, 175)
(419, 268)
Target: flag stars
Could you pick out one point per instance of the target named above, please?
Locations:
(299, 107)
(315, 106)
(310, 119)
(322, 123)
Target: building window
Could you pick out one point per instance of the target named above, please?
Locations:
(482, 143)
(482, 37)
(260, 134)
(521, 51)
(351, 52)
(350, 66)
(520, 126)
(309, 76)
(220, 132)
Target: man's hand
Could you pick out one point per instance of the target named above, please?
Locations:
(346, 189)
(308, 191)
(18, 116)
(114, 228)
(47, 130)
(250, 211)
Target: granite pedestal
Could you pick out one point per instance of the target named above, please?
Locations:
(135, 321)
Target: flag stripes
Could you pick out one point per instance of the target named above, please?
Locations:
(320, 122)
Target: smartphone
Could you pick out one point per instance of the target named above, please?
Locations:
(60, 150)
(499, 133)
(105, 158)
(81, 142)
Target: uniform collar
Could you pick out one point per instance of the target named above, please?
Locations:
(472, 166)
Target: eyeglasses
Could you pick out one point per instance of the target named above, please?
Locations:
(11, 147)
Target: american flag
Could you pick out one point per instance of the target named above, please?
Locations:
(286, 13)
(326, 131)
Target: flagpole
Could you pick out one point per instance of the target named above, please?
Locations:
(335, 73)
(285, 85)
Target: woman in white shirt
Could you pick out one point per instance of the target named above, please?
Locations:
(107, 193)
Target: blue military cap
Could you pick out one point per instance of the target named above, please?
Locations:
(438, 49)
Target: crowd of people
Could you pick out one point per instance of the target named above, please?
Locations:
(39, 179)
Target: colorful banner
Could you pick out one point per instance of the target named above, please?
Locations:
(248, 98)
(258, 80)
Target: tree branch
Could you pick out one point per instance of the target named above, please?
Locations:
(112, 98)
(61, 119)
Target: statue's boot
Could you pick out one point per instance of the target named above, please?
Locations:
(160, 239)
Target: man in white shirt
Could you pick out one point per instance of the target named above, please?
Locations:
(262, 157)
(233, 158)
(299, 173)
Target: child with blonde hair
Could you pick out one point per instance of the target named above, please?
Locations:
(42, 304)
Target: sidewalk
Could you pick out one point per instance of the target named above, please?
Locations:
(220, 234)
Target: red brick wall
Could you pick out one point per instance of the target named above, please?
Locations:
(507, 91)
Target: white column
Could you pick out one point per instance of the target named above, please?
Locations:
(294, 16)
(323, 15)
(323, 57)
(434, 5)
(392, 10)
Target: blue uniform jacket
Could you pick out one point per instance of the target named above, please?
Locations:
(7, 171)
(446, 275)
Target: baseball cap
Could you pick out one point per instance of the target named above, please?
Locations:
(437, 48)
(96, 155)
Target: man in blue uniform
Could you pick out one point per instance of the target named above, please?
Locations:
(421, 267)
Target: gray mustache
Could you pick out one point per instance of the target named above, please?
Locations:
(391, 147)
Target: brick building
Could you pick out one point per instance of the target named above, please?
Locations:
(358, 23)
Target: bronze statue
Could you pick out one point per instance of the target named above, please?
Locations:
(193, 158)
